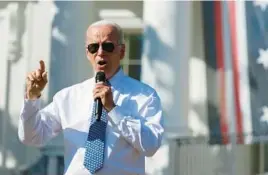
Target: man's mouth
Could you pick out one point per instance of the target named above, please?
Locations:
(101, 62)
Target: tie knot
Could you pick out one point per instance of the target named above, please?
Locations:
(108, 82)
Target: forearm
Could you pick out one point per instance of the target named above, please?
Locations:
(35, 125)
(28, 130)
(143, 135)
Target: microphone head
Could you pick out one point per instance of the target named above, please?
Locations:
(100, 77)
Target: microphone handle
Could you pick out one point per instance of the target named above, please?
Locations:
(98, 110)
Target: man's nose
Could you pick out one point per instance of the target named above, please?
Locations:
(100, 50)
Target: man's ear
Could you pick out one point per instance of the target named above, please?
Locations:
(87, 54)
(122, 51)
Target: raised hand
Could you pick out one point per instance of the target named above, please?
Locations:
(36, 82)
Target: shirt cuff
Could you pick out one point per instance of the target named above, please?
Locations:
(29, 108)
(117, 114)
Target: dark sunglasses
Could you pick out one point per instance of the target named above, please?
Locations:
(94, 47)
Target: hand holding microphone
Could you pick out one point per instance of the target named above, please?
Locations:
(102, 93)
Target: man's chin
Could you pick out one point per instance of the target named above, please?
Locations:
(101, 68)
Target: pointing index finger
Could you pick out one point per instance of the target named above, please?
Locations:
(42, 66)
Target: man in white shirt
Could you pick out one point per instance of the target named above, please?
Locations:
(134, 115)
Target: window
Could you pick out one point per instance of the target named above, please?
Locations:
(132, 62)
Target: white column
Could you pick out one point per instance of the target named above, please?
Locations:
(165, 66)
(59, 40)
(8, 53)
(68, 61)
(4, 38)
(165, 60)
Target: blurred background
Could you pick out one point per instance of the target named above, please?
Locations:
(208, 60)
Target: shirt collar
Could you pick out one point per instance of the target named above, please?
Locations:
(116, 77)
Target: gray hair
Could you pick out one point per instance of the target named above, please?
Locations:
(116, 26)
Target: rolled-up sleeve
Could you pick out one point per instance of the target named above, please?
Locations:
(143, 132)
(37, 126)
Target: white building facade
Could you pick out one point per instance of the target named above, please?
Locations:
(165, 48)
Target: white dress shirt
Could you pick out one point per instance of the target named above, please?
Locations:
(134, 127)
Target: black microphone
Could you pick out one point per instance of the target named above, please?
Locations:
(100, 77)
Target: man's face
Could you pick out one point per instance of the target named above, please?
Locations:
(103, 50)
